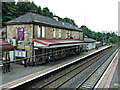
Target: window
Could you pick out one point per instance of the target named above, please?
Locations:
(68, 34)
(39, 31)
(54, 33)
(59, 33)
(81, 36)
(43, 32)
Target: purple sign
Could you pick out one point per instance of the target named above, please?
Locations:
(20, 34)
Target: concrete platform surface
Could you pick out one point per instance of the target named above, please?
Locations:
(111, 78)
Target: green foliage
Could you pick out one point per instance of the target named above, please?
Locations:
(69, 21)
(10, 10)
(46, 12)
(103, 37)
(24, 7)
(39, 10)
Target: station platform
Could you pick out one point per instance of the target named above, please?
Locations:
(111, 77)
(20, 74)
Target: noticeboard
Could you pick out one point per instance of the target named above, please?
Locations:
(20, 53)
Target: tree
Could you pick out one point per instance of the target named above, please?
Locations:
(8, 11)
(108, 37)
(39, 10)
(11, 10)
(24, 7)
(69, 21)
(46, 12)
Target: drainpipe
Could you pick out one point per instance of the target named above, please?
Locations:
(33, 46)
(6, 32)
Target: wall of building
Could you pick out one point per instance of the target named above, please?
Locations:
(92, 45)
(28, 31)
(81, 35)
(28, 36)
(75, 34)
(49, 32)
(64, 32)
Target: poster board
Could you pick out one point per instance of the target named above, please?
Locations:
(20, 34)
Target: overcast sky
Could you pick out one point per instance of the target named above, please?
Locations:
(97, 15)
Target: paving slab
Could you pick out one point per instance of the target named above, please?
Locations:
(111, 77)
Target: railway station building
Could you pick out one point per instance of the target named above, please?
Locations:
(39, 37)
(91, 43)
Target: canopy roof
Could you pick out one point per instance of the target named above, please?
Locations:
(53, 43)
(5, 46)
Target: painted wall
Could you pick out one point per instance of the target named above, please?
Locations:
(91, 45)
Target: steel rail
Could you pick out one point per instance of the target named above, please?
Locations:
(92, 87)
(72, 70)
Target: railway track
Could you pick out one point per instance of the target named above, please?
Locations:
(60, 79)
(63, 78)
(91, 80)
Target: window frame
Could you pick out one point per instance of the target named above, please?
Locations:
(54, 32)
(60, 35)
(43, 32)
(39, 34)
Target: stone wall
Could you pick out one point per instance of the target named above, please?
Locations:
(75, 34)
(81, 35)
(12, 30)
(28, 36)
(64, 33)
(49, 32)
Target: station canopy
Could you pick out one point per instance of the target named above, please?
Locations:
(5, 46)
(89, 40)
(54, 43)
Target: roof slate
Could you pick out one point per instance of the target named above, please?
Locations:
(89, 40)
(36, 18)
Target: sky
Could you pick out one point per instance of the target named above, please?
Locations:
(97, 15)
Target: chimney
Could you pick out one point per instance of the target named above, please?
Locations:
(55, 17)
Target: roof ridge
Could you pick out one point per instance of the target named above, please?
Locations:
(52, 19)
(31, 16)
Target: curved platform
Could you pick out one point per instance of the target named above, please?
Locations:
(15, 79)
